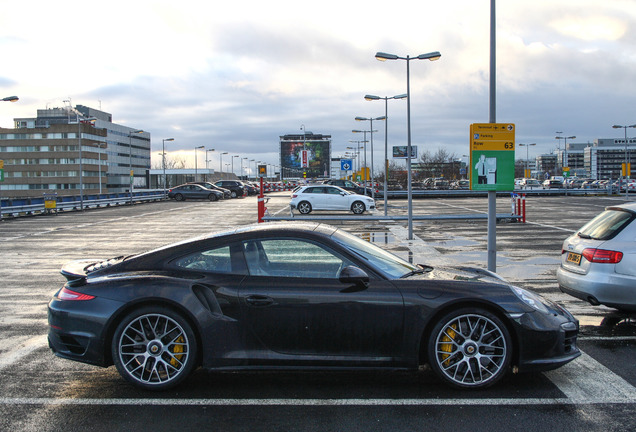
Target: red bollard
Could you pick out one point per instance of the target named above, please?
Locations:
(523, 210)
(261, 203)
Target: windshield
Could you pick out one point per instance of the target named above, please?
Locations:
(388, 264)
(606, 225)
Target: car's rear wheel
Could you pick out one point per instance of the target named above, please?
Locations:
(358, 207)
(212, 197)
(178, 197)
(304, 207)
(470, 348)
(233, 194)
(154, 348)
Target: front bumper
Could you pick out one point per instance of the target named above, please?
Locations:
(547, 341)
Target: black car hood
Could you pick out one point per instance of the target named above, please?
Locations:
(459, 273)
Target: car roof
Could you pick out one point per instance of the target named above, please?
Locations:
(631, 207)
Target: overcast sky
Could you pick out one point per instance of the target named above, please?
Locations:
(234, 76)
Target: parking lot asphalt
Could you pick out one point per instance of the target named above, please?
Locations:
(39, 392)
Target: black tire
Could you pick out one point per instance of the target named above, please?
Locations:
(212, 197)
(470, 348)
(179, 197)
(154, 348)
(233, 194)
(358, 207)
(304, 207)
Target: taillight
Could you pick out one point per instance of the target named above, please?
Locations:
(294, 195)
(67, 294)
(602, 256)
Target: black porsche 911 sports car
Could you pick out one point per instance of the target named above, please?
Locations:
(299, 296)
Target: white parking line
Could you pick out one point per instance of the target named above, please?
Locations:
(22, 350)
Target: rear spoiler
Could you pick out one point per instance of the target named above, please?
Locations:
(74, 271)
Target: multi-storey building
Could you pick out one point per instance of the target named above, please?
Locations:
(63, 150)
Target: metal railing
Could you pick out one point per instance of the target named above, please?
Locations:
(33, 206)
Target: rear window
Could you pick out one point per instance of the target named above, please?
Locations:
(607, 225)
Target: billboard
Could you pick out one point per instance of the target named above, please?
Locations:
(399, 152)
(316, 156)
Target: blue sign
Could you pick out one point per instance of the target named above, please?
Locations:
(346, 164)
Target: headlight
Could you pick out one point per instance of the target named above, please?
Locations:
(531, 299)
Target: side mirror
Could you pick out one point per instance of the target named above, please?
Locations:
(353, 275)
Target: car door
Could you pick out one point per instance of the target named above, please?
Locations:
(295, 305)
(334, 200)
(316, 197)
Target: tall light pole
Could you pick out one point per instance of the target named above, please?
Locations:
(435, 55)
(527, 146)
(565, 156)
(235, 156)
(366, 167)
(163, 148)
(221, 161)
(195, 161)
(628, 170)
(132, 174)
(386, 139)
(248, 164)
(370, 120)
(206, 162)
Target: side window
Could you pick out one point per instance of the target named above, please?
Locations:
(214, 260)
(291, 258)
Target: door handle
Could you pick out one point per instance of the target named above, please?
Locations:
(259, 300)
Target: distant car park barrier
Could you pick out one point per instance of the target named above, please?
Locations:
(51, 203)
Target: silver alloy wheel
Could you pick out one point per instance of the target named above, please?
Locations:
(178, 197)
(471, 350)
(304, 207)
(358, 207)
(154, 349)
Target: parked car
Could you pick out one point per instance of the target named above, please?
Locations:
(629, 185)
(299, 295)
(575, 183)
(530, 183)
(327, 197)
(237, 189)
(598, 263)
(226, 192)
(552, 184)
(194, 191)
(349, 186)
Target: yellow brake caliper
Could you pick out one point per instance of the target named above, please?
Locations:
(177, 349)
(446, 343)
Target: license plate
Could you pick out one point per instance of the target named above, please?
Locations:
(574, 258)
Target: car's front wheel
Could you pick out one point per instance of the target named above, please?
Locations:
(358, 207)
(233, 194)
(179, 197)
(212, 197)
(154, 348)
(304, 207)
(470, 348)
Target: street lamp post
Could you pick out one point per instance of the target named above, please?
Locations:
(435, 55)
(248, 164)
(235, 156)
(195, 161)
(565, 157)
(221, 161)
(628, 170)
(132, 174)
(366, 167)
(527, 146)
(163, 155)
(370, 120)
(206, 161)
(386, 139)
(10, 99)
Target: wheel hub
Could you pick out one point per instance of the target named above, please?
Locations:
(470, 349)
(155, 348)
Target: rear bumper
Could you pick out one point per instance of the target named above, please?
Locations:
(607, 288)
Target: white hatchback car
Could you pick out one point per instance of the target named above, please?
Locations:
(598, 263)
(327, 197)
